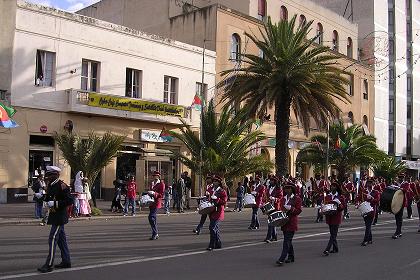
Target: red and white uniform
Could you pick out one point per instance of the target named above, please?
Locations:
(416, 192)
(335, 219)
(405, 187)
(261, 194)
(321, 187)
(220, 203)
(296, 208)
(159, 189)
(348, 188)
(276, 195)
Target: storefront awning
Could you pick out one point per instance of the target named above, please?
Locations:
(157, 151)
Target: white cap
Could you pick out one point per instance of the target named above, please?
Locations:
(53, 169)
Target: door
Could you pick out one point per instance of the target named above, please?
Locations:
(161, 164)
(38, 161)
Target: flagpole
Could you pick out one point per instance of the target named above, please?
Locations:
(203, 102)
(328, 146)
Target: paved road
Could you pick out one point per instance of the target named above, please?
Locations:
(120, 249)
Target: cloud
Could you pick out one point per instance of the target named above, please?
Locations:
(75, 5)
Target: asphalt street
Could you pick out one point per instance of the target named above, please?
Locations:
(120, 249)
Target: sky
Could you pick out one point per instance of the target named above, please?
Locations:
(67, 5)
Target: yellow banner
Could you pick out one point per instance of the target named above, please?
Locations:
(127, 104)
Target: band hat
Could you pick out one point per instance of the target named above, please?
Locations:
(156, 173)
(53, 169)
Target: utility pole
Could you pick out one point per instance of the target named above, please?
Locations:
(328, 147)
(203, 102)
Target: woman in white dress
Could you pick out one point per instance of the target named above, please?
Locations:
(84, 208)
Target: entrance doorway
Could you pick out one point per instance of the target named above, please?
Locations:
(126, 165)
(162, 164)
(38, 161)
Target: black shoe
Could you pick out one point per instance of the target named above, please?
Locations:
(256, 228)
(364, 243)
(273, 239)
(218, 247)
(45, 268)
(418, 231)
(63, 265)
(333, 251)
(279, 262)
(267, 240)
(154, 237)
(209, 249)
(196, 232)
(326, 253)
(396, 236)
(400, 235)
(370, 242)
(290, 260)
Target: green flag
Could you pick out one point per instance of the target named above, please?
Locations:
(9, 110)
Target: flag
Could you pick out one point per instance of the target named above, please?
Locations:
(197, 103)
(340, 144)
(164, 134)
(5, 116)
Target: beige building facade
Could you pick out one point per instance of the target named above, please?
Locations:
(221, 26)
(67, 71)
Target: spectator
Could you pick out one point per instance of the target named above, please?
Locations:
(188, 186)
(131, 197)
(167, 196)
(180, 190)
(116, 201)
(39, 190)
(240, 190)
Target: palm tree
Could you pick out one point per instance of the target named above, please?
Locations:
(293, 75)
(88, 154)
(348, 147)
(388, 168)
(225, 145)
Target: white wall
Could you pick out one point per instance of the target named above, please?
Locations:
(416, 78)
(73, 38)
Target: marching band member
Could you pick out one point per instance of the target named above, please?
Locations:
(58, 198)
(416, 192)
(260, 194)
(372, 196)
(404, 186)
(209, 193)
(321, 186)
(292, 205)
(334, 220)
(157, 190)
(410, 196)
(219, 198)
(377, 186)
(348, 189)
(275, 194)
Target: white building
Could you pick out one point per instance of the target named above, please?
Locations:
(389, 37)
(61, 69)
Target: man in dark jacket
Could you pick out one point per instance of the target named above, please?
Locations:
(58, 198)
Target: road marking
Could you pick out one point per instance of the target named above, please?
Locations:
(109, 264)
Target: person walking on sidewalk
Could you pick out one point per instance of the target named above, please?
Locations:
(58, 198)
(131, 197)
(240, 190)
(39, 190)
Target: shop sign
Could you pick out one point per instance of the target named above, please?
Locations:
(43, 129)
(412, 164)
(152, 136)
(141, 106)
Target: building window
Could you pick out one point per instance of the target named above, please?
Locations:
(235, 49)
(90, 75)
(350, 89)
(201, 91)
(319, 33)
(133, 81)
(365, 121)
(365, 90)
(335, 41)
(284, 14)
(349, 47)
(302, 21)
(351, 117)
(262, 9)
(45, 64)
(170, 90)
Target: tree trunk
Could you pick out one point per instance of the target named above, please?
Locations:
(282, 136)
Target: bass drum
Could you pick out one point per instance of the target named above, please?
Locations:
(392, 200)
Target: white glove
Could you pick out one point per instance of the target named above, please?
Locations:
(369, 196)
(151, 192)
(207, 193)
(38, 195)
(253, 192)
(337, 200)
(213, 197)
(287, 207)
(50, 203)
(272, 198)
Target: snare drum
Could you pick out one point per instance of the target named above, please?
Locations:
(392, 200)
(206, 207)
(267, 208)
(365, 208)
(249, 201)
(277, 219)
(146, 200)
(329, 209)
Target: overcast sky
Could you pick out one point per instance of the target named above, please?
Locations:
(68, 5)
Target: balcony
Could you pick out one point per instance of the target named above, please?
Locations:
(85, 102)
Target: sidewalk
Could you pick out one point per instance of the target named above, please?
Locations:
(23, 213)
